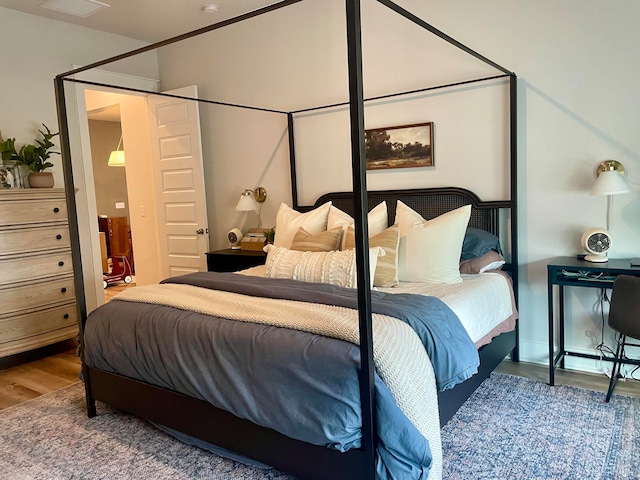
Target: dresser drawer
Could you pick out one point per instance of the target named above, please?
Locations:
(36, 295)
(23, 212)
(33, 239)
(25, 332)
(32, 267)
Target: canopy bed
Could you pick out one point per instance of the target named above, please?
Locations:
(182, 406)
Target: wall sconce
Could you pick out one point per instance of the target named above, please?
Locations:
(116, 159)
(251, 201)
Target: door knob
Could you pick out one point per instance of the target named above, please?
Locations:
(200, 231)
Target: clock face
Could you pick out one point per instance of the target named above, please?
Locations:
(233, 237)
(599, 242)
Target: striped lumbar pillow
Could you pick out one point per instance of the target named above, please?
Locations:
(386, 274)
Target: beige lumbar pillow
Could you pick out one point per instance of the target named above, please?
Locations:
(377, 219)
(321, 242)
(386, 274)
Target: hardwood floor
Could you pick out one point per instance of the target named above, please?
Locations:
(589, 381)
(31, 374)
(28, 375)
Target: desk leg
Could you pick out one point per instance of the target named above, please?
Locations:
(551, 328)
(561, 324)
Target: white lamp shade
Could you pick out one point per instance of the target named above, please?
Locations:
(610, 182)
(116, 159)
(247, 202)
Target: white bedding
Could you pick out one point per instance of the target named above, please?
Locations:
(481, 301)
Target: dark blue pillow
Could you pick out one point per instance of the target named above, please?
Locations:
(478, 242)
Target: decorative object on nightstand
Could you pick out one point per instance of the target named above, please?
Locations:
(609, 181)
(234, 236)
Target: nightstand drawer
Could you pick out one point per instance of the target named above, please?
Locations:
(234, 260)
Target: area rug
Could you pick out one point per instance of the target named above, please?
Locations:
(511, 428)
(519, 429)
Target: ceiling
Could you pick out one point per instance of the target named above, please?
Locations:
(147, 20)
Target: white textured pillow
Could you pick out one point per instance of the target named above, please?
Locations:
(377, 219)
(429, 251)
(336, 268)
(288, 221)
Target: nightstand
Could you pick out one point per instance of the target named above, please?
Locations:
(571, 272)
(229, 260)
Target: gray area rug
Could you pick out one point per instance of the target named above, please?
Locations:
(512, 428)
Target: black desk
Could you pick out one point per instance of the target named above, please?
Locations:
(559, 272)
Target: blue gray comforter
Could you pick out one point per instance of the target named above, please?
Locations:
(255, 371)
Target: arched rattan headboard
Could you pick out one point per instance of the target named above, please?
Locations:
(428, 202)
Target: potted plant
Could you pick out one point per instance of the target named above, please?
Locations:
(34, 156)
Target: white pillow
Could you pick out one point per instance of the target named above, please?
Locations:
(429, 251)
(288, 221)
(377, 219)
(336, 267)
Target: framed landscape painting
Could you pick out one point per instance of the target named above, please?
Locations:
(399, 147)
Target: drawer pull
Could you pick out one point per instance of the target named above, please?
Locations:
(58, 237)
(66, 315)
(61, 263)
(63, 289)
(56, 210)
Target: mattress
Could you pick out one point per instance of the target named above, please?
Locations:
(482, 302)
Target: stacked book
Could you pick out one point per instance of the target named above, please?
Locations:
(253, 240)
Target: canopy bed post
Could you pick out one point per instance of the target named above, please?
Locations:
(513, 139)
(359, 176)
(81, 305)
(292, 162)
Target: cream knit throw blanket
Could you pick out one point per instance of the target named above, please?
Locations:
(399, 356)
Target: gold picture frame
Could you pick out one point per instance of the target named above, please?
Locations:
(404, 146)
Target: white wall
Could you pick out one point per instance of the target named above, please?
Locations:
(31, 62)
(110, 182)
(577, 67)
(578, 97)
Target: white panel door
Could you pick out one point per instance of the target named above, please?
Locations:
(177, 155)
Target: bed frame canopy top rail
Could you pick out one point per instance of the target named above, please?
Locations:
(364, 460)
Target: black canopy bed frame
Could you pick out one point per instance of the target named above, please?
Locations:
(204, 421)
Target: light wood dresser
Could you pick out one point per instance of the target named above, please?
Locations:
(37, 293)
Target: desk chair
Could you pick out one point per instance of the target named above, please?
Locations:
(624, 318)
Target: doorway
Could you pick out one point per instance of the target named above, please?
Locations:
(153, 168)
(112, 202)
